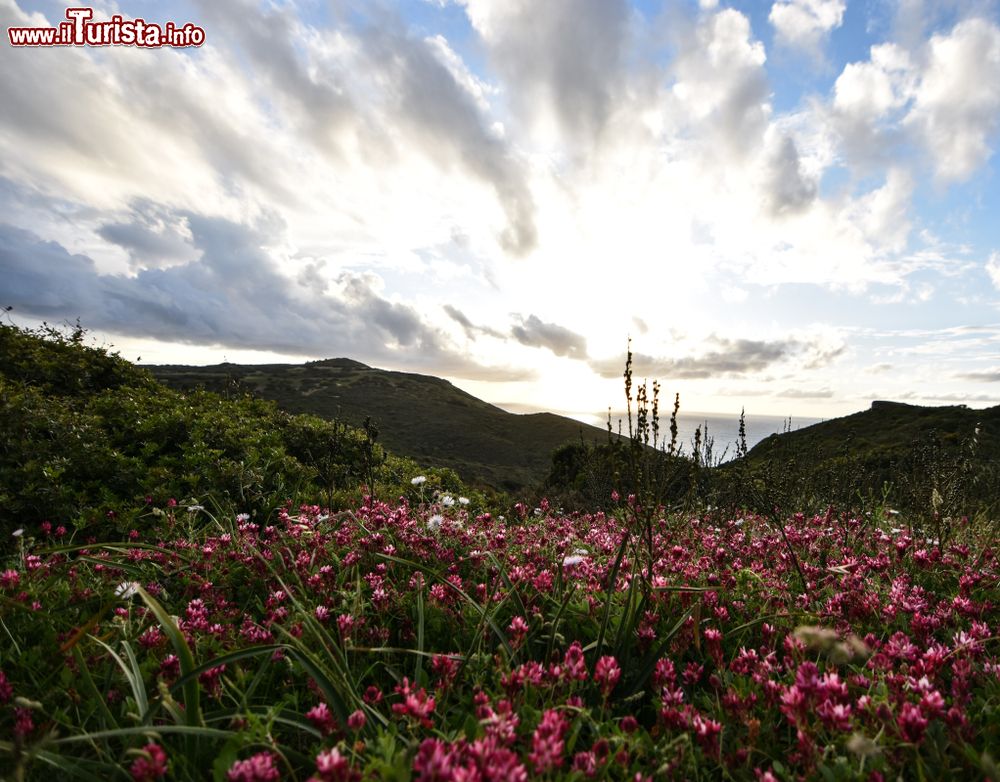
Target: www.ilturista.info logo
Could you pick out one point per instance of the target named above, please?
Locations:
(82, 30)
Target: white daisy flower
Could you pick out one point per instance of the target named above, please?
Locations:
(126, 589)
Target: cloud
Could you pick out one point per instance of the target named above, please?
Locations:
(233, 295)
(868, 98)
(993, 269)
(944, 96)
(877, 369)
(534, 332)
(806, 393)
(270, 111)
(787, 189)
(720, 83)
(442, 118)
(732, 358)
(984, 376)
(883, 214)
(561, 60)
(805, 24)
(471, 329)
(956, 109)
(152, 235)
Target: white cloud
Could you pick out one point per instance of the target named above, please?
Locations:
(805, 24)
(945, 96)
(868, 91)
(883, 213)
(956, 110)
(993, 269)
(721, 86)
(476, 87)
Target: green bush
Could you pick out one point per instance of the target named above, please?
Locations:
(89, 441)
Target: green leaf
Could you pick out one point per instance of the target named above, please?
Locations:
(192, 689)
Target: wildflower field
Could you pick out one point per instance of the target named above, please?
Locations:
(166, 614)
(436, 643)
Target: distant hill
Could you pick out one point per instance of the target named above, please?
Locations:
(888, 430)
(423, 417)
(916, 450)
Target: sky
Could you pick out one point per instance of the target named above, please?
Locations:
(789, 207)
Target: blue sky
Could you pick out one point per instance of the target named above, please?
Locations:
(789, 206)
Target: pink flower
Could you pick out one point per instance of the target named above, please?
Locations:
(170, 667)
(346, 624)
(665, 675)
(322, 718)
(547, 742)
(706, 732)
(331, 766)
(256, 768)
(357, 720)
(575, 666)
(586, 763)
(692, 673)
(501, 723)
(607, 673)
(793, 703)
(912, 723)
(211, 680)
(433, 762)
(151, 765)
(807, 677)
(415, 704)
(713, 641)
(836, 716)
(518, 630)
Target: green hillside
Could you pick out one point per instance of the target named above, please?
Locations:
(946, 458)
(422, 417)
(89, 440)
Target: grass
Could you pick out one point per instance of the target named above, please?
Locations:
(447, 648)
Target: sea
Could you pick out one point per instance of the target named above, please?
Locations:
(722, 429)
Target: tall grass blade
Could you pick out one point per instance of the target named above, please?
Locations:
(192, 690)
(132, 675)
(91, 688)
(610, 591)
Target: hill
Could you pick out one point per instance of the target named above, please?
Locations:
(907, 451)
(422, 417)
(88, 440)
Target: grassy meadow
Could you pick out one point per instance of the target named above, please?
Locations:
(204, 586)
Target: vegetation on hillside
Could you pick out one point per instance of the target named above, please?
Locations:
(424, 418)
(936, 464)
(943, 460)
(247, 634)
(93, 442)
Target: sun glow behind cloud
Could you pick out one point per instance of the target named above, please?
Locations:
(502, 192)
